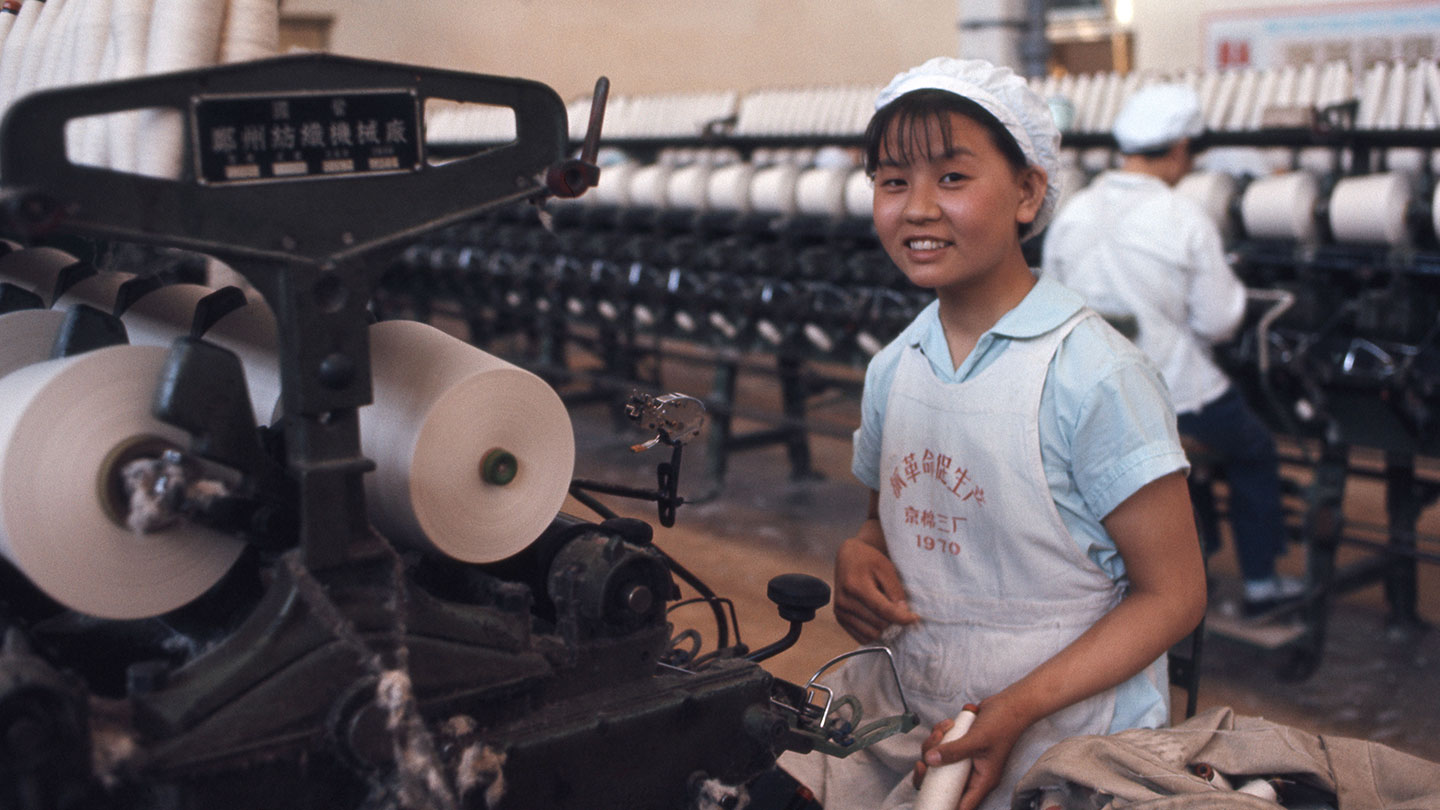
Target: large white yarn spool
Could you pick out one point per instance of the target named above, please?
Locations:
(27, 336)
(1214, 191)
(35, 269)
(1281, 207)
(1371, 209)
(64, 426)
(442, 409)
(728, 188)
(820, 191)
(160, 316)
(772, 189)
(99, 291)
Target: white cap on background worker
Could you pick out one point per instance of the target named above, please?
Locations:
(1157, 117)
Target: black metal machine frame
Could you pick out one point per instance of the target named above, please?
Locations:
(361, 676)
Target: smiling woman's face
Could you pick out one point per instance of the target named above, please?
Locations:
(949, 213)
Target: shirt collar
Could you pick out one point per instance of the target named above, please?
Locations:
(1046, 306)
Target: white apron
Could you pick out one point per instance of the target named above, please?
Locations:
(987, 562)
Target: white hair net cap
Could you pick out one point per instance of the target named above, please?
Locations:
(1004, 95)
(1157, 116)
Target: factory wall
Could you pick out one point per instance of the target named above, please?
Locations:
(646, 46)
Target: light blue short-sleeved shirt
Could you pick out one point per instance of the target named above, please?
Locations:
(1106, 424)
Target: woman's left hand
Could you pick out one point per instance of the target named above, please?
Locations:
(987, 745)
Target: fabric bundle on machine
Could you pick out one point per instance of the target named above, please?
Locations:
(1151, 769)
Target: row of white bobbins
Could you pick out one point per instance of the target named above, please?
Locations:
(1369, 209)
(833, 185)
(1390, 95)
(668, 115)
(1373, 209)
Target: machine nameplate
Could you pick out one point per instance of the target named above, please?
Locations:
(305, 136)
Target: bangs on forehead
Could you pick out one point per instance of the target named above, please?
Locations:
(911, 136)
(918, 127)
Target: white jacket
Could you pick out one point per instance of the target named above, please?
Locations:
(1134, 247)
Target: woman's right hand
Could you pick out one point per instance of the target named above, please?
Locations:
(869, 596)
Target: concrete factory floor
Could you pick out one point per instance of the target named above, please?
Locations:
(1369, 684)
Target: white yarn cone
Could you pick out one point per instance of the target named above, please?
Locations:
(251, 30)
(184, 34)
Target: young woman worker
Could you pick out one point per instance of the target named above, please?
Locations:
(1029, 546)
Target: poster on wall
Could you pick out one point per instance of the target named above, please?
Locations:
(1360, 34)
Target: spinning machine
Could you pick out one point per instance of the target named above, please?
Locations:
(260, 550)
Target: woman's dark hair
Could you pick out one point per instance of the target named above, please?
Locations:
(913, 113)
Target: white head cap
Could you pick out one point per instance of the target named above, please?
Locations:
(1157, 116)
(1007, 97)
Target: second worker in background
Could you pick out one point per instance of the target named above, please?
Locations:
(1142, 253)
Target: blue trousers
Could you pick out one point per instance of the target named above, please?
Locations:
(1244, 448)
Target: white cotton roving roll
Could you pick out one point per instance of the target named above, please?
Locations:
(64, 424)
(1281, 207)
(184, 34)
(85, 59)
(99, 291)
(16, 44)
(8, 12)
(27, 336)
(1371, 209)
(35, 269)
(251, 30)
(473, 455)
(41, 63)
(160, 316)
(127, 41)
